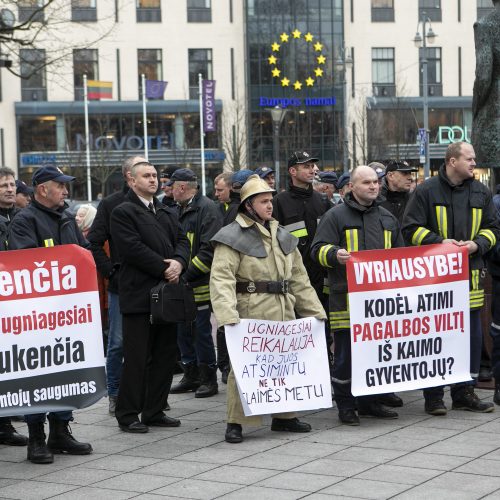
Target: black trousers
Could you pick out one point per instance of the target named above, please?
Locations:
(149, 355)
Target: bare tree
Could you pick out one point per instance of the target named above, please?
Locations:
(44, 24)
(234, 136)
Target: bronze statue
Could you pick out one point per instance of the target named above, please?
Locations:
(486, 100)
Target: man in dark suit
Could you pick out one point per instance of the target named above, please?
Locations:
(151, 247)
(108, 265)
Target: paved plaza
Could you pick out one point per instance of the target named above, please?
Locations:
(416, 456)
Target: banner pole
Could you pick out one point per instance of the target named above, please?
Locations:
(144, 116)
(202, 135)
(87, 137)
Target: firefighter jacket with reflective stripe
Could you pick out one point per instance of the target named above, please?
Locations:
(352, 227)
(438, 210)
(200, 220)
(298, 211)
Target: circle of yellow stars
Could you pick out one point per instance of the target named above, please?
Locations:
(320, 59)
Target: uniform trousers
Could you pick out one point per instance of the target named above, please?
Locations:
(149, 353)
(476, 339)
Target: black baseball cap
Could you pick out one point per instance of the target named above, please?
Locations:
(50, 173)
(299, 157)
(400, 166)
(263, 172)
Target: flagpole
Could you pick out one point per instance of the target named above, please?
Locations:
(144, 116)
(202, 135)
(87, 136)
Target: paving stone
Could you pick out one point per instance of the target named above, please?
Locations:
(273, 460)
(430, 461)
(263, 493)
(332, 467)
(141, 483)
(370, 455)
(177, 468)
(359, 488)
(78, 476)
(122, 463)
(34, 490)
(299, 481)
(395, 474)
(481, 467)
(194, 488)
(89, 493)
(215, 455)
(236, 474)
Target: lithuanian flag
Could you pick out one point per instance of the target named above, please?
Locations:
(99, 90)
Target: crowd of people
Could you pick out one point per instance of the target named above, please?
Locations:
(290, 246)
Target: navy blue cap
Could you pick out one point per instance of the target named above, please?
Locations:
(182, 174)
(263, 172)
(50, 173)
(240, 177)
(23, 188)
(328, 178)
(343, 180)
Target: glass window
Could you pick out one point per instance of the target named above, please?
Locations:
(199, 11)
(31, 10)
(33, 75)
(200, 61)
(84, 62)
(148, 11)
(382, 11)
(434, 76)
(484, 7)
(83, 10)
(383, 76)
(432, 9)
(149, 63)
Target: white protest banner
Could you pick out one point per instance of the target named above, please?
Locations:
(280, 366)
(51, 357)
(409, 312)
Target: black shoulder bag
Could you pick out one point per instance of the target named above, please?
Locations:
(172, 303)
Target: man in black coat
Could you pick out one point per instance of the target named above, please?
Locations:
(151, 247)
(46, 222)
(108, 266)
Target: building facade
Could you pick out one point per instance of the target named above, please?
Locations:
(386, 80)
(42, 114)
(345, 73)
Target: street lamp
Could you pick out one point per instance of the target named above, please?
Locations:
(277, 115)
(342, 64)
(420, 40)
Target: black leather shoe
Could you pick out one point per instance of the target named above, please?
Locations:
(233, 433)
(225, 374)
(348, 417)
(289, 425)
(390, 399)
(376, 410)
(164, 422)
(135, 427)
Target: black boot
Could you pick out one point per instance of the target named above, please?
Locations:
(208, 378)
(189, 382)
(9, 435)
(496, 395)
(62, 441)
(38, 453)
